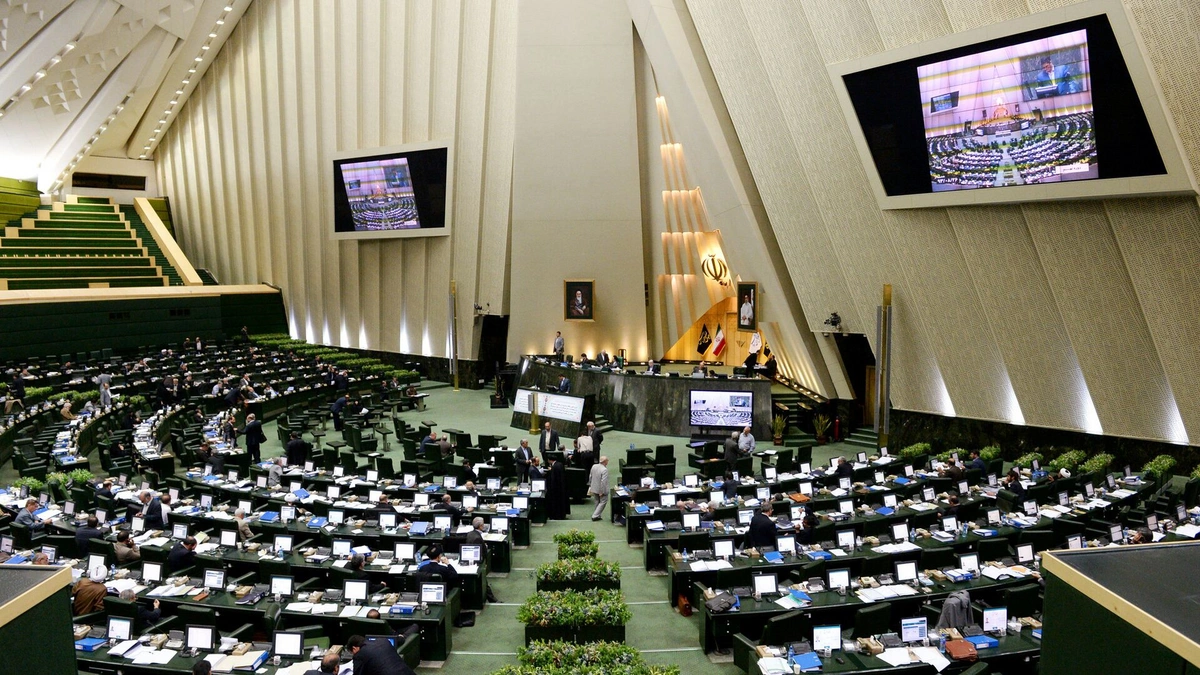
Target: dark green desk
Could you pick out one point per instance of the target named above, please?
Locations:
(1015, 655)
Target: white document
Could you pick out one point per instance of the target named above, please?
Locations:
(122, 647)
(774, 666)
(1190, 531)
(396, 569)
(788, 602)
(299, 607)
(349, 610)
(932, 656)
(898, 656)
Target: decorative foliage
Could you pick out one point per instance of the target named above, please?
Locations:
(1196, 472)
(778, 425)
(945, 456)
(575, 536)
(575, 609)
(579, 569)
(1159, 466)
(585, 550)
(35, 486)
(821, 425)
(348, 360)
(56, 478)
(990, 453)
(1098, 462)
(80, 476)
(593, 658)
(1070, 459)
(915, 450)
(1026, 461)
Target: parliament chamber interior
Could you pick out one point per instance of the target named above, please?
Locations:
(550, 337)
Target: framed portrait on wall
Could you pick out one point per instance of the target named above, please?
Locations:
(579, 299)
(747, 303)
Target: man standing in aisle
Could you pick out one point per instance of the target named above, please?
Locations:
(598, 486)
(746, 442)
(559, 346)
(254, 437)
(548, 441)
(524, 458)
(731, 451)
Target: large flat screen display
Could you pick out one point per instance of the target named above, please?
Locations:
(721, 408)
(1017, 115)
(1055, 106)
(391, 193)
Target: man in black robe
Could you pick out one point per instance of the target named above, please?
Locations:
(557, 507)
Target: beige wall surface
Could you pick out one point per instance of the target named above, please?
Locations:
(1067, 315)
(576, 204)
(247, 163)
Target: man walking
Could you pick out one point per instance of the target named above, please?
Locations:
(598, 486)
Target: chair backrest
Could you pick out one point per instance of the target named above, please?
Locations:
(694, 541)
(785, 628)
(664, 472)
(664, 453)
(992, 549)
(873, 620)
(268, 567)
(1021, 600)
(114, 606)
(937, 558)
(384, 466)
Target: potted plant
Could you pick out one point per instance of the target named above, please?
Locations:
(778, 425)
(56, 482)
(578, 574)
(575, 616)
(592, 658)
(1026, 460)
(1157, 468)
(821, 427)
(35, 486)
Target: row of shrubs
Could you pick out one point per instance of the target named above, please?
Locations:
(593, 658)
(75, 477)
(1061, 458)
(348, 360)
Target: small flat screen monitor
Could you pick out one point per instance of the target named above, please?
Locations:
(405, 551)
(963, 487)
(992, 480)
(289, 644)
(899, 531)
(845, 539)
(261, 481)
(797, 513)
(883, 452)
(294, 485)
(283, 542)
(913, 629)
(744, 516)
(766, 584)
(387, 520)
(993, 516)
(716, 497)
(827, 637)
(880, 478)
(69, 508)
(287, 513)
(442, 522)
(1089, 489)
(539, 485)
(1025, 553)
(309, 467)
(1116, 534)
(949, 523)
(995, 619)
(281, 586)
(1181, 515)
(1037, 466)
(179, 531)
(908, 470)
(889, 500)
(233, 477)
(470, 501)
(969, 562)
(723, 548)
(151, 572)
(374, 496)
(341, 548)
(690, 480)
(1074, 542)
(6, 544)
(214, 579)
(339, 471)
(1127, 471)
(421, 499)
(1064, 498)
(96, 560)
(333, 492)
(927, 494)
(770, 473)
(200, 637)
(138, 524)
(906, 570)
(470, 553)
(337, 516)
(1031, 508)
(763, 494)
(721, 408)
(493, 484)
(434, 594)
(521, 502)
(1112, 482)
(667, 500)
(372, 476)
(102, 516)
(861, 457)
(500, 524)
(785, 544)
(805, 468)
(246, 506)
(839, 579)
(354, 591)
(846, 506)
(844, 483)
(806, 489)
(691, 521)
(229, 538)
(1152, 522)
(120, 628)
(51, 552)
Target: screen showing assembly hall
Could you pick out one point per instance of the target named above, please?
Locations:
(1016, 115)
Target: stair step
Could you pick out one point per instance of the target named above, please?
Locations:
(861, 443)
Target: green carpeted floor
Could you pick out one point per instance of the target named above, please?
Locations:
(656, 629)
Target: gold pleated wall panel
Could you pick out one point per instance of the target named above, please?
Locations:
(246, 163)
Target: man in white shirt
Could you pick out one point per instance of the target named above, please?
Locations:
(598, 486)
(746, 441)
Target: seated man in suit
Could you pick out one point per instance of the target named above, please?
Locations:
(329, 664)
(435, 566)
(183, 555)
(377, 657)
(844, 469)
(653, 368)
(85, 534)
(427, 442)
(445, 505)
(25, 516)
(762, 529)
(977, 462)
(126, 548)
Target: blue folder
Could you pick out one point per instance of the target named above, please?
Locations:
(885, 511)
(318, 522)
(89, 644)
(808, 661)
(820, 555)
(773, 557)
(269, 517)
(901, 480)
(983, 642)
(301, 493)
(642, 508)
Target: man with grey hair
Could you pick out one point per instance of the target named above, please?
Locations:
(598, 486)
(746, 441)
(731, 451)
(475, 536)
(243, 528)
(275, 472)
